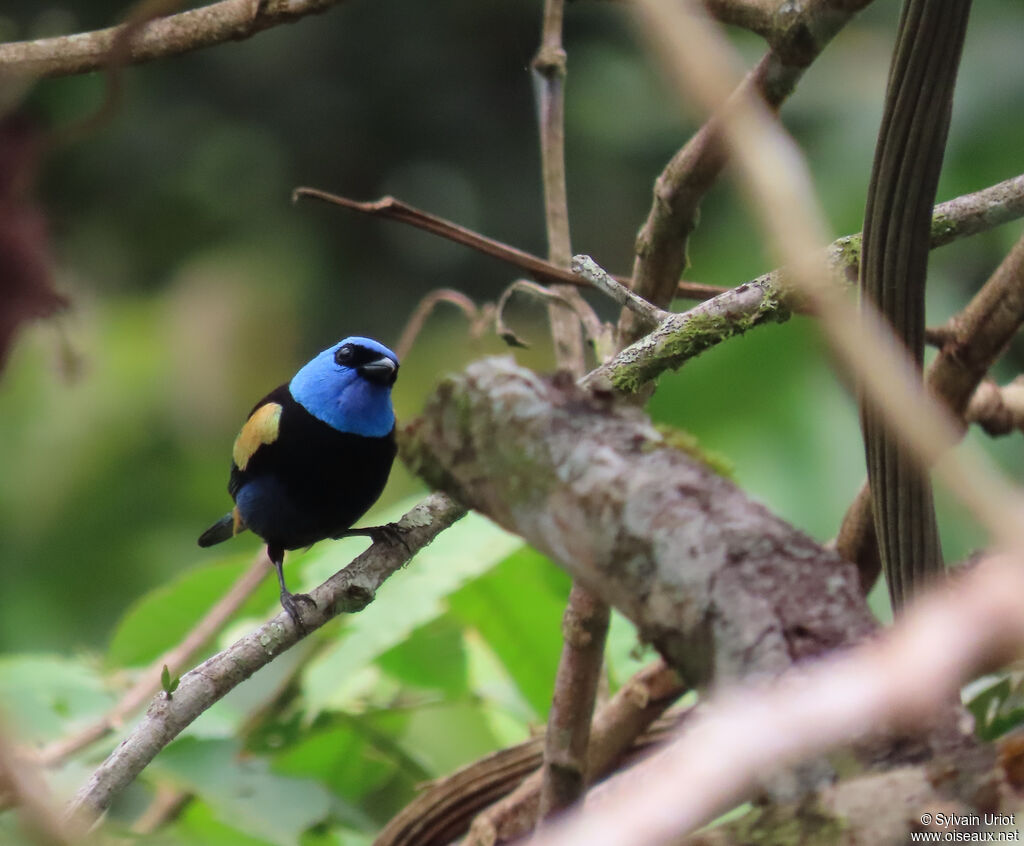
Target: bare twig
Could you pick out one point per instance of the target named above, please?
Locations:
(681, 186)
(392, 209)
(898, 682)
(589, 269)
(227, 20)
(532, 290)
(425, 308)
(174, 659)
(540, 269)
(349, 590)
(585, 623)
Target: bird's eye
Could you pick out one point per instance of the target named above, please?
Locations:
(344, 354)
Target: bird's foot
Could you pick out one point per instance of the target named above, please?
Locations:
(388, 533)
(291, 602)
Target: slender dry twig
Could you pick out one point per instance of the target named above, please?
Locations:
(425, 308)
(540, 269)
(689, 175)
(227, 20)
(597, 276)
(585, 623)
(532, 290)
(897, 682)
(174, 659)
(348, 590)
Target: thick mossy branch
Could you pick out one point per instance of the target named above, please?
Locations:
(721, 586)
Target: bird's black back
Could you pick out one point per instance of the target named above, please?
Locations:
(313, 482)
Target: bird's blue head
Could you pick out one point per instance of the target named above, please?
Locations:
(348, 387)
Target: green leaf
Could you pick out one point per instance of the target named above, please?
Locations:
(518, 608)
(433, 657)
(45, 697)
(198, 825)
(340, 757)
(997, 703)
(161, 618)
(242, 791)
(441, 737)
(166, 683)
(407, 600)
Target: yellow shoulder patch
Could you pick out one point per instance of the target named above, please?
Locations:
(259, 429)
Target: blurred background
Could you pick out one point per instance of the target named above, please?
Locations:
(195, 286)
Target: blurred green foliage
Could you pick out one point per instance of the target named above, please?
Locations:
(197, 287)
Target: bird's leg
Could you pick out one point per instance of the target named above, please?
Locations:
(388, 533)
(289, 601)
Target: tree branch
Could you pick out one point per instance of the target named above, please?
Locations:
(228, 20)
(349, 590)
(585, 622)
(769, 298)
(689, 175)
(718, 584)
(896, 682)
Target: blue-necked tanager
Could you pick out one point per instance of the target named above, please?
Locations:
(314, 455)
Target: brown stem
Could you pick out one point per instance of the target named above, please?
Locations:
(565, 776)
(425, 308)
(585, 624)
(681, 186)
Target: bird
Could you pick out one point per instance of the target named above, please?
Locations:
(313, 456)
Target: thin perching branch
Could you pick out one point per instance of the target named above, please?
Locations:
(228, 20)
(348, 591)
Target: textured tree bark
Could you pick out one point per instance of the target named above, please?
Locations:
(717, 583)
(722, 587)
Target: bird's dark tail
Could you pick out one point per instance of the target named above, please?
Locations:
(226, 527)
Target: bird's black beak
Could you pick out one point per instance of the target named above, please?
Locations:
(380, 371)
